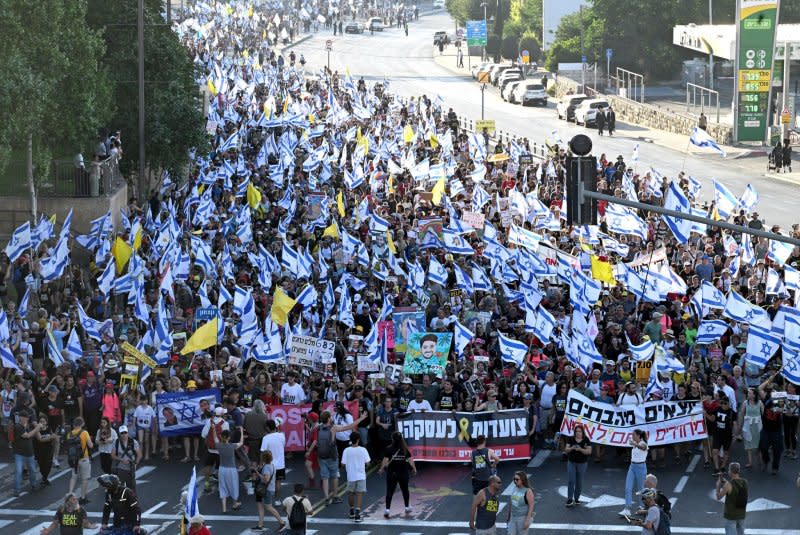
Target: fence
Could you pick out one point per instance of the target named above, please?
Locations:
(538, 150)
(66, 180)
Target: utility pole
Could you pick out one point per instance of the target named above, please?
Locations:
(786, 73)
(140, 37)
(710, 52)
(583, 55)
(486, 27)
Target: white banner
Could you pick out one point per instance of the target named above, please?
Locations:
(308, 351)
(664, 422)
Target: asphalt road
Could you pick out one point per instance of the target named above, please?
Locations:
(407, 63)
(441, 497)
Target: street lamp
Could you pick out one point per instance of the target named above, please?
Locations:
(486, 26)
(710, 51)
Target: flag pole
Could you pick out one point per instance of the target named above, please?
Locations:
(685, 154)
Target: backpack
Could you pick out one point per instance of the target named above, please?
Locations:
(297, 518)
(74, 450)
(664, 522)
(740, 501)
(214, 434)
(663, 502)
(325, 446)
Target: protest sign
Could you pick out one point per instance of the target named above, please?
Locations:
(309, 351)
(473, 219)
(180, 413)
(443, 436)
(427, 353)
(293, 426)
(664, 422)
(407, 321)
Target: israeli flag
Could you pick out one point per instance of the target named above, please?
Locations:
(479, 198)
(544, 326)
(512, 351)
(749, 198)
(289, 258)
(524, 237)
(106, 281)
(308, 296)
(761, 346)
(74, 348)
(328, 299)
(725, 201)
(740, 309)
(587, 351)
(481, 281)
(378, 224)
(791, 365)
(635, 157)
(786, 322)
(436, 272)
(774, 283)
(779, 251)
(463, 280)
(192, 507)
(456, 188)
(52, 349)
(642, 351)
(712, 297)
(22, 309)
(387, 308)
(621, 220)
(352, 181)
(20, 242)
(91, 326)
(455, 244)
(229, 144)
(7, 358)
(652, 381)
(677, 201)
(700, 138)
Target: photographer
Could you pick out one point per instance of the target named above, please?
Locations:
(735, 493)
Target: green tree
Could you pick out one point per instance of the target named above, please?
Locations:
(510, 47)
(55, 94)
(528, 14)
(571, 30)
(174, 121)
(529, 42)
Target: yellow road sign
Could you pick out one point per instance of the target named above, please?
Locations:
(487, 124)
(138, 355)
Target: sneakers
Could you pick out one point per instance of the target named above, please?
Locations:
(625, 512)
(357, 517)
(352, 513)
(56, 463)
(570, 503)
(336, 499)
(408, 510)
(386, 513)
(257, 528)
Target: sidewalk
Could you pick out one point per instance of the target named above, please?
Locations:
(677, 142)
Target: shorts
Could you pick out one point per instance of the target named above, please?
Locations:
(515, 526)
(722, 442)
(478, 485)
(280, 474)
(142, 428)
(84, 469)
(212, 459)
(357, 486)
(329, 468)
(268, 498)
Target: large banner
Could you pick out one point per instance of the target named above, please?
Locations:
(407, 321)
(427, 353)
(310, 352)
(180, 413)
(444, 436)
(293, 425)
(665, 422)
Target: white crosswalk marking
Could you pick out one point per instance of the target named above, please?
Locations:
(4, 523)
(409, 533)
(359, 533)
(508, 490)
(3, 465)
(36, 530)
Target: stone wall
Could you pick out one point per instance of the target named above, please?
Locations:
(649, 116)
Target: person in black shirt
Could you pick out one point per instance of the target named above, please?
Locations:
(397, 462)
(122, 501)
(771, 431)
(724, 420)
(71, 518)
(24, 432)
(448, 399)
(578, 450)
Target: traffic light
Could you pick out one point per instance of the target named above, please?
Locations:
(581, 169)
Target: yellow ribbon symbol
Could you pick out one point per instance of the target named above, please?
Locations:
(463, 423)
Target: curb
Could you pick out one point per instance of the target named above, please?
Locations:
(296, 42)
(783, 178)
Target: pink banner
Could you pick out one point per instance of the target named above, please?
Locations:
(293, 426)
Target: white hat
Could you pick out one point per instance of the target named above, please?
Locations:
(407, 381)
(197, 519)
(111, 364)
(122, 429)
(219, 411)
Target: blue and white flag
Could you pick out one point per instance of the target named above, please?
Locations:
(786, 323)
(20, 242)
(652, 381)
(74, 348)
(512, 351)
(525, 238)
(791, 365)
(437, 272)
(544, 326)
(479, 198)
(22, 309)
(307, 296)
(712, 297)
(710, 331)
(106, 281)
(677, 201)
(7, 358)
(192, 507)
(749, 199)
(52, 349)
(462, 337)
(622, 220)
(587, 351)
(740, 309)
(700, 138)
(725, 201)
(641, 352)
(774, 285)
(779, 251)
(761, 346)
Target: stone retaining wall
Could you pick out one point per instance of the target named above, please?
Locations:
(632, 112)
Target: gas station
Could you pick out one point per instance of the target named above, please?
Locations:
(764, 103)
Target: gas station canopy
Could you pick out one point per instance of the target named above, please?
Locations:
(720, 40)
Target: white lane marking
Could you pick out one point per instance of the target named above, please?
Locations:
(4, 523)
(672, 502)
(681, 484)
(601, 528)
(155, 508)
(693, 464)
(36, 530)
(539, 459)
(501, 507)
(508, 490)
(3, 465)
(143, 471)
(61, 474)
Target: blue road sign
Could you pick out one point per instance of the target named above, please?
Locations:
(609, 52)
(583, 59)
(476, 32)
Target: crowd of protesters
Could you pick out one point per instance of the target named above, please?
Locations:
(300, 134)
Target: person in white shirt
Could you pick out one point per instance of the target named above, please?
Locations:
(343, 419)
(355, 460)
(637, 470)
(275, 442)
(721, 385)
(629, 396)
(291, 392)
(297, 499)
(144, 416)
(212, 434)
(419, 404)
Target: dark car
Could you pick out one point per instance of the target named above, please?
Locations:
(354, 27)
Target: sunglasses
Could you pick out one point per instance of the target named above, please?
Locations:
(517, 479)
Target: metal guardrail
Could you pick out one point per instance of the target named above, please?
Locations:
(693, 91)
(94, 180)
(538, 150)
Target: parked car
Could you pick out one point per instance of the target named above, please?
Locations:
(508, 76)
(566, 106)
(530, 92)
(496, 71)
(508, 92)
(481, 67)
(375, 24)
(353, 27)
(586, 112)
(440, 36)
(438, 4)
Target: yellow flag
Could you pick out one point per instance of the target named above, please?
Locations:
(391, 184)
(390, 242)
(438, 191)
(434, 140)
(53, 219)
(203, 338)
(245, 53)
(253, 196)
(408, 134)
(331, 231)
(340, 204)
(286, 104)
(137, 237)
(282, 304)
(250, 12)
(122, 253)
(212, 88)
(602, 271)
